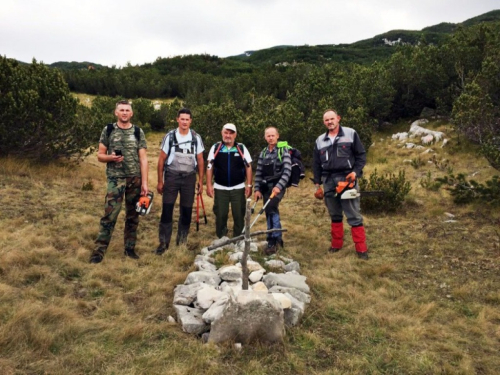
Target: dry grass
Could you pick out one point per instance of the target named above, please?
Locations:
(87, 99)
(427, 302)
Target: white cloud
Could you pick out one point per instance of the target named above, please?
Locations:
(130, 31)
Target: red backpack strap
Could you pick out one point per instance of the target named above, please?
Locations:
(242, 156)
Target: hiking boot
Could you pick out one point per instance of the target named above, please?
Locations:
(333, 249)
(280, 243)
(96, 257)
(271, 247)
(363, 255)
(161, 248)
(131, 253)
(181, 239)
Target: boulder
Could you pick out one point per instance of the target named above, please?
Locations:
(191, 319)
(206, 277)
(286, 280)
(252, 316)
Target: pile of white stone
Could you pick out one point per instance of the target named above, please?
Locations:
(211, 301)
(426, 136)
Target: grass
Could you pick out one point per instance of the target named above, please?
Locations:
(426, 302)
(87, 99)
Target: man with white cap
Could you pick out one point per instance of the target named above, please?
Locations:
(229, 164)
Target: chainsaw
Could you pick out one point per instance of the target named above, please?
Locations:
(143, 206)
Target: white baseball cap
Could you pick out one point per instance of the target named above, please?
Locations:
(231, 127)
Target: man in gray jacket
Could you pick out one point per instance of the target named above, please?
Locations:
(339, 156)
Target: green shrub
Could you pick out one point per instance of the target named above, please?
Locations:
(40, 118)
(394, 188)
(464, 191)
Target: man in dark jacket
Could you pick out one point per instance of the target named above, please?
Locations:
(340, 156)
(229, 162)
(274, 169)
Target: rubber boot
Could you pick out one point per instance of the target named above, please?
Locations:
(337, 237)
(359, 238)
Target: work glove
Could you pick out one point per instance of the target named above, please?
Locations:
(319, 193)
(351, 177)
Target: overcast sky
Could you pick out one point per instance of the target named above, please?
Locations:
(139, 31)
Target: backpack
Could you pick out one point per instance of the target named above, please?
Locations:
(298, 169)
(194, 141)
(218, 146)
(137, 131)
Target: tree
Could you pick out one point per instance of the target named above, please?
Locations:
(40, 118)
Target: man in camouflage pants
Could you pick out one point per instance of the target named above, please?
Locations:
(122, 147)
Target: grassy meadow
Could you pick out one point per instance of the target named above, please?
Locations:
(427, 302)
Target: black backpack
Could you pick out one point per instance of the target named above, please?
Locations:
(137, 131)
(298, 169)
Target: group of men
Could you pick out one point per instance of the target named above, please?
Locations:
(338, 156)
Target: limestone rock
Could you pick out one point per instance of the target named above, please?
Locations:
(186, 294)
(206, 277)
(191, 319)
(230, 273)
(288, 280)
(253, 316)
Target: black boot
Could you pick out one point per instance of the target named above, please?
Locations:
(131, 253)
(161, 248)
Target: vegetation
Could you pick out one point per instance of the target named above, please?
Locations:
(40, 118)
(426, 302)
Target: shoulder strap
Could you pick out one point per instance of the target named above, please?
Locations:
(238, 147)
(217, 148)
(109, 129)
(194, 142)
(137, 133)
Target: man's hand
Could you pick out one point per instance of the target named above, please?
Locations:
(351, 177)
(200, 187)
(319, 193)
(210, 191)
(159, 188)
(248, 192)
(257, 195)
(276, 190)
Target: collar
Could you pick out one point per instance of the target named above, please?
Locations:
(339, 134)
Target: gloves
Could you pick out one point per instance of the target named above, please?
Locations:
(351, 177)
(319, 193)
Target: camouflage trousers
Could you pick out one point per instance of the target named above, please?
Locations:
(117, 188)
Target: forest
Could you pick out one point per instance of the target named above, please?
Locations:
(450, 70)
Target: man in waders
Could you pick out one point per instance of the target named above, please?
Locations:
(180, 156)
(340, 156)
(274, 169)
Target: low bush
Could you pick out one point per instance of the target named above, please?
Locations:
(394, 191)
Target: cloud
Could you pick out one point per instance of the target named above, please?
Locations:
(130, 31)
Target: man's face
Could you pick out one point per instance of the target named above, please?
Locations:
(331, 120)
(184, 121)
(271, 136)
(124, 113)
(228, 136)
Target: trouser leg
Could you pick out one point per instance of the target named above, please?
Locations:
(170, 192)
(186, 186)
(359, 239)
(112, 207)
(337, 231)
(221, 211)
(132, 194)
(273, 215)
(238, 208)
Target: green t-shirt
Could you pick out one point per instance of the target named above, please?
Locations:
(124, 140)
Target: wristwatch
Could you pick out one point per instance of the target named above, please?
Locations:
(249, 186)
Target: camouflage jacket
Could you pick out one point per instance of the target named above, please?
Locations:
(124, 140)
